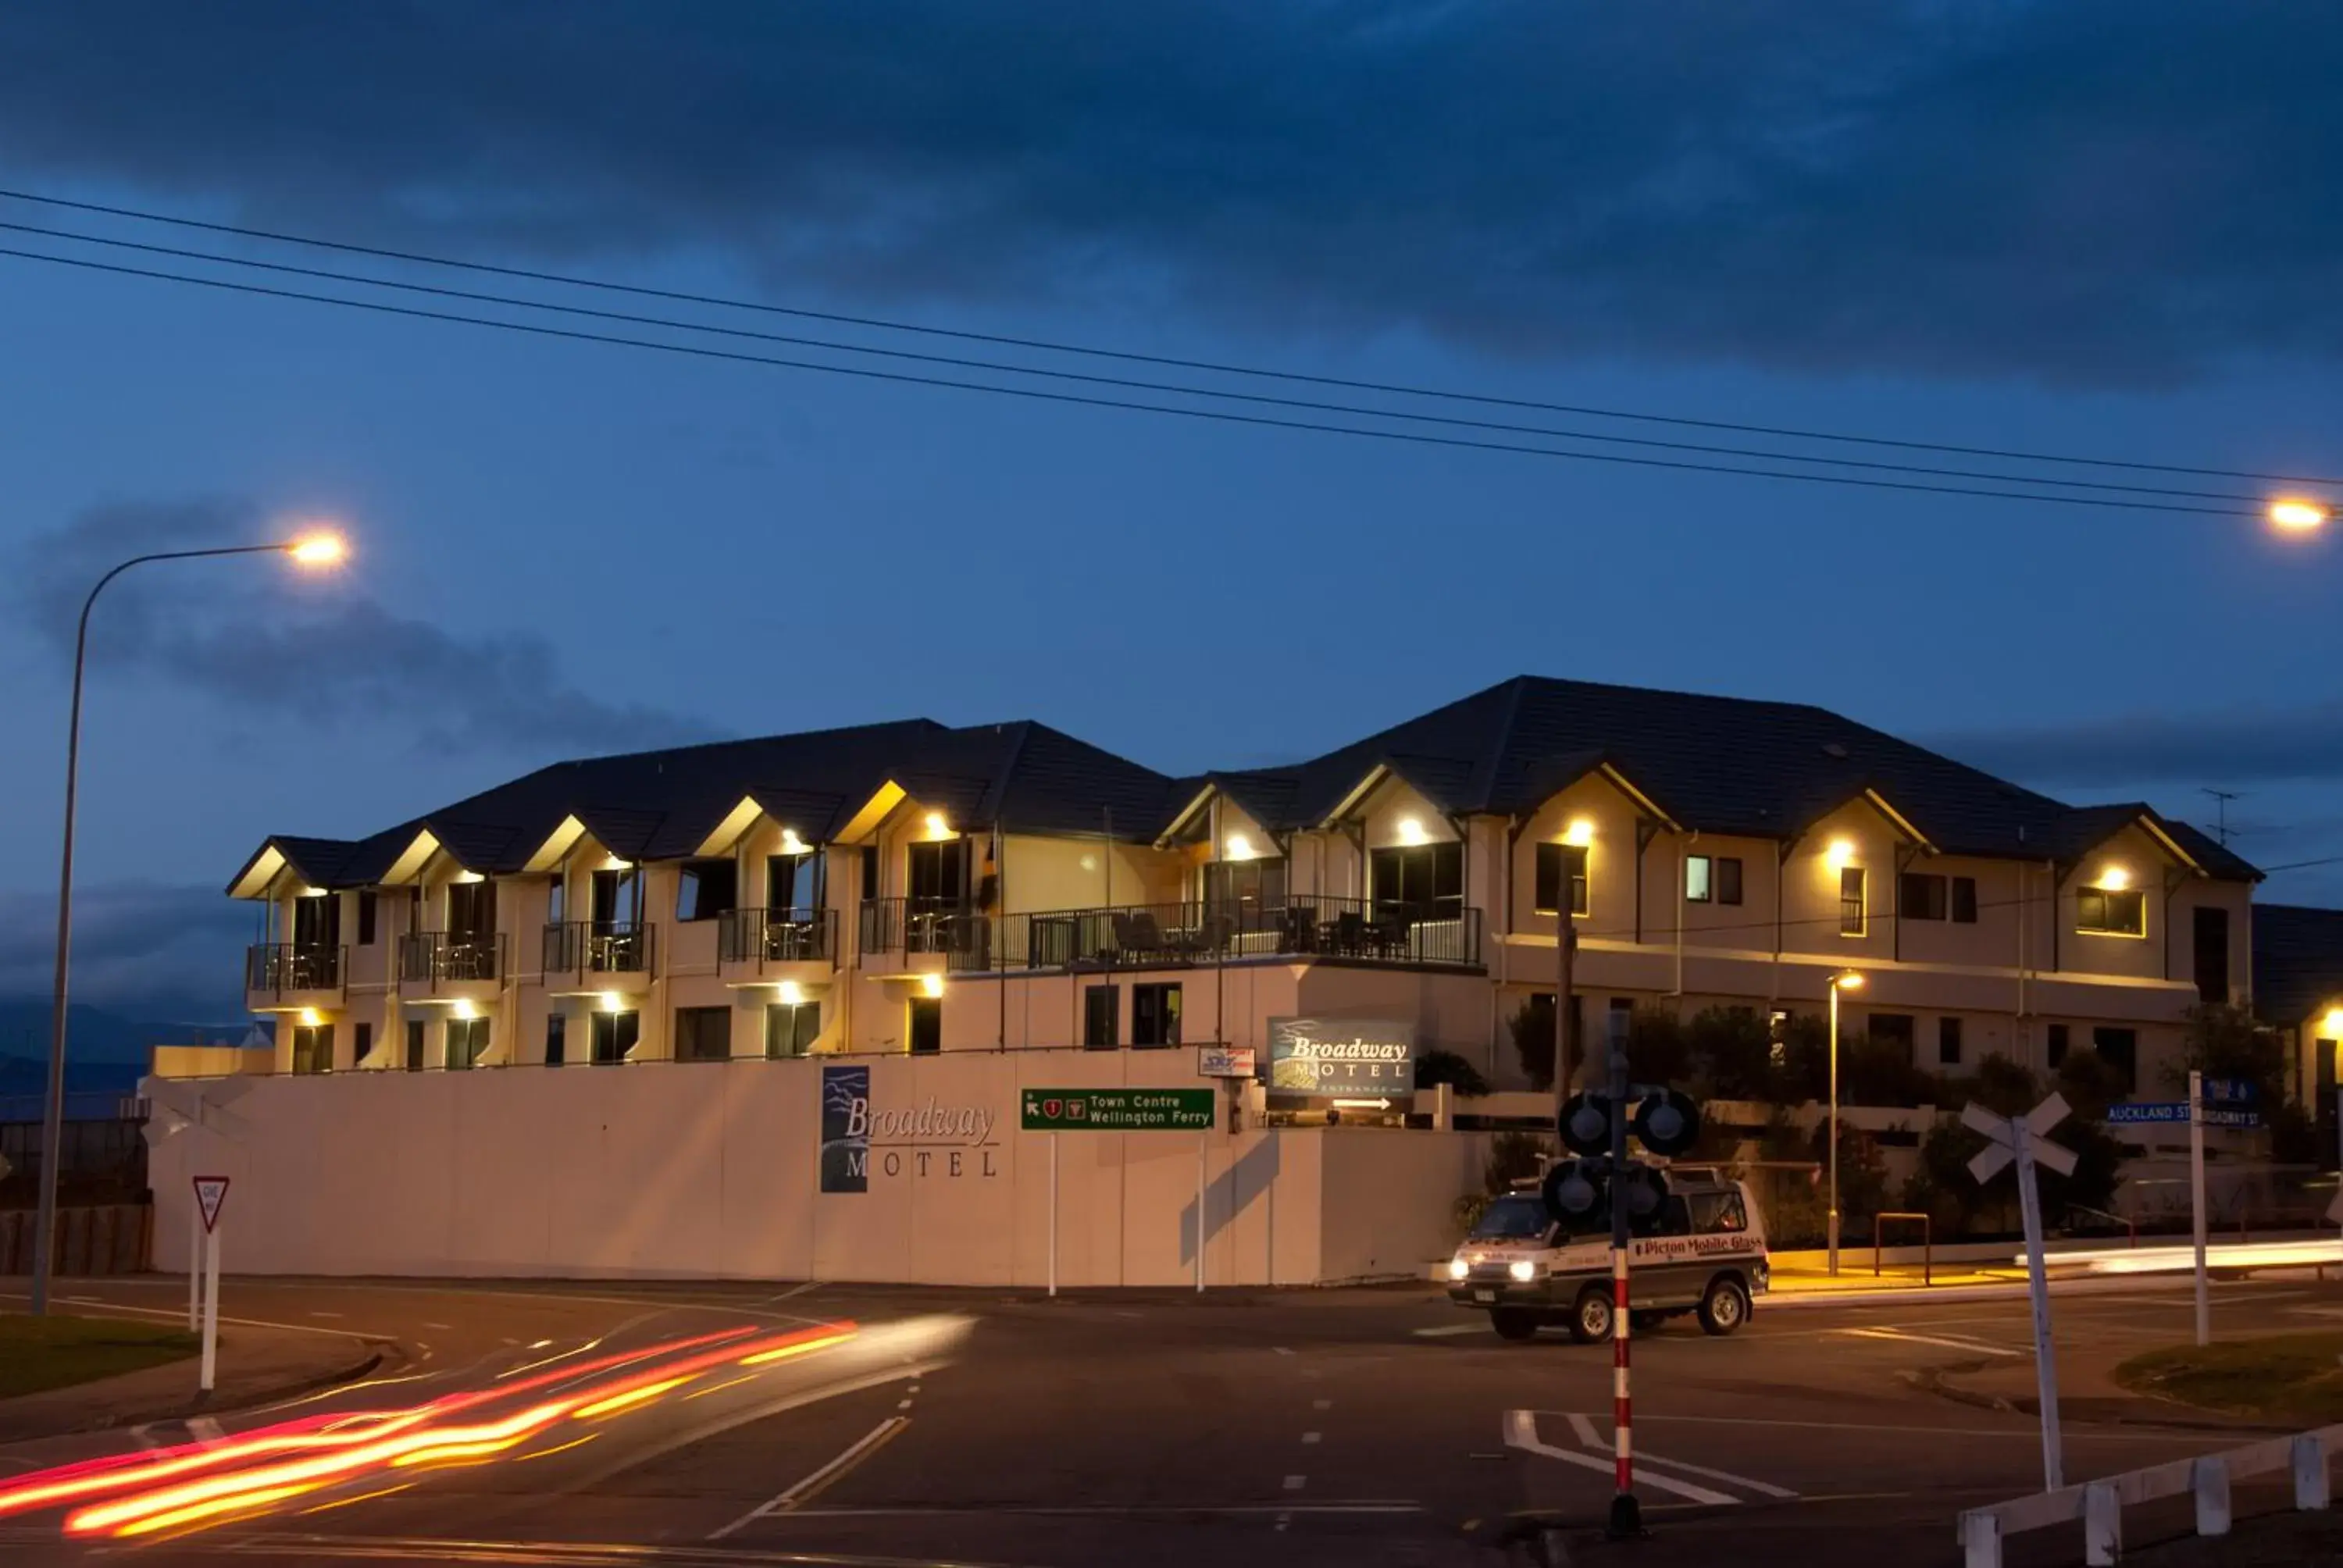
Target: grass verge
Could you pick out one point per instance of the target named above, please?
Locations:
(38, 1354)
(2294, 1378)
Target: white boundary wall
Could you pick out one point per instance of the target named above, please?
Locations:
(712, 1169)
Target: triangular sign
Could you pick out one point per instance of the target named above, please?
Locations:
(211, 1192)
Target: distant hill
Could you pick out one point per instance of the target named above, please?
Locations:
(95, 1035)
(25, 1078)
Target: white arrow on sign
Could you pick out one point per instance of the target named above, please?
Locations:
(2002, 1133)
(1363, 1104)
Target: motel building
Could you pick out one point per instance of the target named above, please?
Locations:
(776, 1008)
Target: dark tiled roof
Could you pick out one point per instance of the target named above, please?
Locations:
(2298, 961)
(1723, 765)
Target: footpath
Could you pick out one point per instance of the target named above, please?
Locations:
(256, 1366)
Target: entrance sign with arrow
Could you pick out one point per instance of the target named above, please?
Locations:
(2024, 1140)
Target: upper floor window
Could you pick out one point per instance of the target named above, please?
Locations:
(793, 885)
(1922, 896)
(1245, 884)
(318, 921)
(366, 918)
(935, 874)
(1426, 881)
(1713, 879)
(707, 888)
(618, 898)
(1553, 862)
(1853, 909)
(2112, 912)
(471, 908)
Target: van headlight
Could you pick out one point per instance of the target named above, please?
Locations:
(1521, 1269)
(1458, 1268)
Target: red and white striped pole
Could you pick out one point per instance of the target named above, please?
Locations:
(1626, 1515)
(1621, 1407)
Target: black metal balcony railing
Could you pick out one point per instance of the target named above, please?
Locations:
(762, 936)
(448, 957)
(1172, 936)
(601, 947)
(915, 926)
(277, 967)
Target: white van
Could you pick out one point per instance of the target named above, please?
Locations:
(1705, 1254)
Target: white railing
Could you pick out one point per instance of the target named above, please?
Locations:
(2099, 1505)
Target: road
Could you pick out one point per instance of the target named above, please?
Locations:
(1373, 1426)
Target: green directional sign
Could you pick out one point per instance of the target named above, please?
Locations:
(1117, 1109)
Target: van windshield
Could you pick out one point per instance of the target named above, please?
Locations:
(1516, 1218)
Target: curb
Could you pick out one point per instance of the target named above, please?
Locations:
(374, 1355)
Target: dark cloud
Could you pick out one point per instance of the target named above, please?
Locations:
(330, 655)
(2246, 745)
(136, 946)
(2093, 190)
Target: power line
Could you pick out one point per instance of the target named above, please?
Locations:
(1121, 383)
(1220, 415)
(1167, 361)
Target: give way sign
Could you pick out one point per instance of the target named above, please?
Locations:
(211, 1195)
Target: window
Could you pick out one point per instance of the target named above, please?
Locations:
(414, 1047)
(1851, 904)
(936, 875)
(615, 1034)
(471, 911)
(317, 921)
(791, 1027)
(2111, 911)
(557, 1038)
(1964, 900)
(361, 1043)
(2119, 1048)
(365, 919)
(1696, 879)
(793, 886)
(2060, 1037)
(1711, 879)
(1921, 897)
(2209, 928)
(1948, 1041)
(927, 1025)
(1715, 1212)
(313, 1048)
(1551, 861)
(618, 897)
(1894, 1028)
(1101, 1012)
(556, 899)
(1727, 878)
(1155, 1015)
(869, 871)
(707, 888)
(1424, 882)
(1241, 886)
(467, 1041)
(703, 1033)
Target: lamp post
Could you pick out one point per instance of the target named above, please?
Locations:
(1846, 981)
(319, 550)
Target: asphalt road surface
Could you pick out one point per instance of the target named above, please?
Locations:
(630, 1424)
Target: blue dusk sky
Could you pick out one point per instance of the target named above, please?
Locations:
(2096, 229)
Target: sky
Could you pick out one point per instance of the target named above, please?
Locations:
(2092, 229)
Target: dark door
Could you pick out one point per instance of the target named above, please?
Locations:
(2212, 950)
(927, 1025)
(617, 896)
(317, 922)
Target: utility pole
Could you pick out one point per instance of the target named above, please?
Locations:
(1565, 953)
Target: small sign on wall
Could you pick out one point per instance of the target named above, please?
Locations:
(1341, 1056)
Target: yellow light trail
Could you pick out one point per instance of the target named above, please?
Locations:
(632, 1396)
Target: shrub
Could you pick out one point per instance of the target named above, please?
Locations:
(1437, 1066)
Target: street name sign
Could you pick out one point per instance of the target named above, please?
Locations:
(1117, 1109)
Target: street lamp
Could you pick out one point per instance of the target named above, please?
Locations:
(2296, 515)
(1847, 979)
(313, 550)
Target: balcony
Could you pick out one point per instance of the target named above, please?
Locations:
(761, 939)
(1179, 936)
(457, 961)
(960, 938)
(601, 955)
(304, 973)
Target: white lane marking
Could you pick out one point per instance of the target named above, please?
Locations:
(205, 1430)
(1444, 1329)
(1583, 1427)
(1280, 1350)
(854, 1454)
(1521, 1432)
(903, 1404)
(1296, 1483)
(1311, 1436)
(443, 1328)
(1322, 1405)
(1584, 1430)
(315, 1314)
(1899, 1336)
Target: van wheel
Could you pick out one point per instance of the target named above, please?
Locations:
(1724, 1307)
(1590, 1319)
(1513, 1323)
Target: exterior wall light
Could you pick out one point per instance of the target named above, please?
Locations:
(2331, 1026)
(931, 985)
(1580, 833)
(608, 1001)
(2114, 880)
(936, 827)
(790, 991)
(1841, 854)
(1239, 848)
(1411, 832)
(311, 1018)
(791, 844)
(469, 877)
(466, 1010)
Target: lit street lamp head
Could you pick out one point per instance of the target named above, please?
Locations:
(2293, 515)
(319, 550)
(1850, 980)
